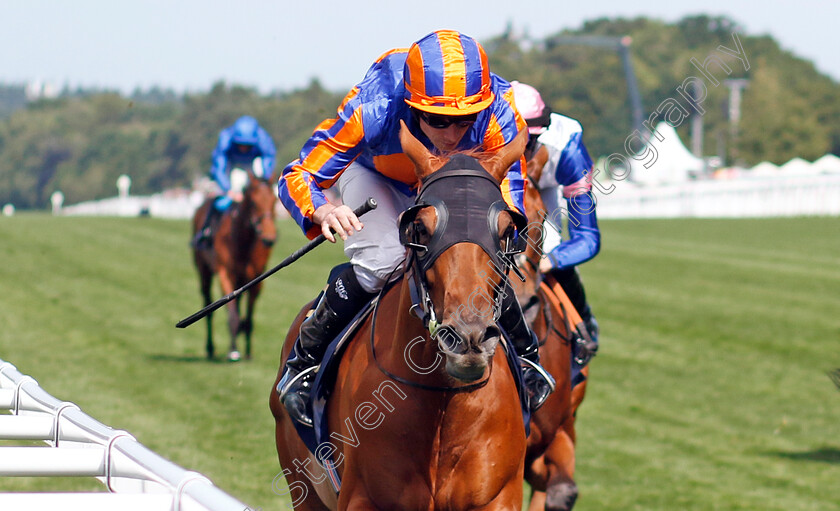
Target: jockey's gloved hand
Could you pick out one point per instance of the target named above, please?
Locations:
(235, 196)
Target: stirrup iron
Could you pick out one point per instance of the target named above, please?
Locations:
(281, 392)
(541, 371)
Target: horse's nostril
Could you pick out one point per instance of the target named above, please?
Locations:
(491, 333)
(449, 341)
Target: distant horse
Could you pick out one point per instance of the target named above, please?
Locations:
(241, 246)
(550, 459)
(417, 423)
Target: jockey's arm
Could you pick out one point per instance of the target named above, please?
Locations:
(268, 153)
(513, 186)
(218, 170)
(572, 171)
(584, 236)
(508, 123)
(334, 144)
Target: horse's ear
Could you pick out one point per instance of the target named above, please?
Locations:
(537, 162)
(416, 152)
(508, 155)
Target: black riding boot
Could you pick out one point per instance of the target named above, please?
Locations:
(342, 300)
(569, 280)
(538, 382)
(204, 236)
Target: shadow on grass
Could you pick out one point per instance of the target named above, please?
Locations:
(169, 357)
(824, 454)
(835, 377)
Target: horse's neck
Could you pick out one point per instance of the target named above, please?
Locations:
(429, 419)
(404, 346)
(242, 219)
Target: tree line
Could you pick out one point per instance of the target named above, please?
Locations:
(81, 142)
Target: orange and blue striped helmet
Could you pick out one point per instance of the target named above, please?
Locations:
(446, 73)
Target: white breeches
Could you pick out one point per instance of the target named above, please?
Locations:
(375, 251)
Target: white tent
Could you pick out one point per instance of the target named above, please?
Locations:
(764, 168)
(828, 164)
(665, 161)
(797, 167)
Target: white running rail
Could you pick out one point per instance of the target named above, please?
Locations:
(738, 198)
(138, 478)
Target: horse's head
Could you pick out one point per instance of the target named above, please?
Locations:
(529, 260)
(459, 231)
(258, 203)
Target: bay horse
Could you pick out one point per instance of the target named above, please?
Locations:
(550, 458)
(241, 247)
(422, 421)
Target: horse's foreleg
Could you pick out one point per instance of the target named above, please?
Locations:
(509, 498)
(558, 463)
(537, 501)
(227, 282)
(247, 325)
(234, 324)
(209, 345)
(206, 276)
(561, 491)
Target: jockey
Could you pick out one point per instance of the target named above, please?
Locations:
(568, 167)
(245, 145)
(441, 87)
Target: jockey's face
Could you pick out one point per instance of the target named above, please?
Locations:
(445, 131)
(243, 148)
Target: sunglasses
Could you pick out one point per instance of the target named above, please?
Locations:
(440, 122)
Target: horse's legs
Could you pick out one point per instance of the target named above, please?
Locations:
(227, 282)
(561, 491)
(247, 324)
(298, 487)
(234, 323)
(206, 276)
(559, 467)
(301, 493)
(209, 346)
(537, 501)
(354, 497)
(509, 498)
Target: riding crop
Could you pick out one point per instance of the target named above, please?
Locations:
(369, 205)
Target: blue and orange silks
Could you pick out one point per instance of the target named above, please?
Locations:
(367, 130)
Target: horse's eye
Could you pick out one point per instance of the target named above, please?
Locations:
(420, 230)
(507, 233)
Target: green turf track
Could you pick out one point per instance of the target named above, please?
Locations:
(710, 391)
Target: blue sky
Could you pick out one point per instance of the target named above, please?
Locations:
(280, 45)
